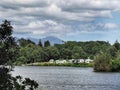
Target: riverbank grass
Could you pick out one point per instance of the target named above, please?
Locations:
(61, 64)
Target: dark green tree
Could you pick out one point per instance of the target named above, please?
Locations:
(7, 54)
(46, 43)
(66, 53)
(40, 43)
(78, 52)
(113, 52)
(117, 45)
(52, 52)
(7, 43)
(30, 53)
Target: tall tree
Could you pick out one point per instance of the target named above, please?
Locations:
(40, 43)
(66, 53)
(117, 45)
(46, 43)
(7, 43)
(113, 51)
(52, 53)
(7, 54)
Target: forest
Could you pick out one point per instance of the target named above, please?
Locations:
(30, 52)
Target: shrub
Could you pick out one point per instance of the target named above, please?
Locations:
(102, 62)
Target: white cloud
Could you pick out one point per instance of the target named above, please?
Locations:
(59, 17)
(53, 9)
(79, 10)
(110, 26)
(46, 27)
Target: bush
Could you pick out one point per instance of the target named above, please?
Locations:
(21, 60)
(116, 65)
(102, 62)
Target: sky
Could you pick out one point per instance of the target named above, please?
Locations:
(69, 20)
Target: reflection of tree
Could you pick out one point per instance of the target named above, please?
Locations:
(7, 55)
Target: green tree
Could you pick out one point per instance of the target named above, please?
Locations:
(31, 53)
(40, 43)
(113, 51)
(76, 56)
(7, 43)
(117, 45)
(65, 53)
(21, 60)
(7, 54)
(78, 52)
(53, 53)
(46, 43)
(50, 52)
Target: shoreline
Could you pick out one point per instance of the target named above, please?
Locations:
(60, 64)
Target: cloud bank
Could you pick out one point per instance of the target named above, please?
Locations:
(60, 17)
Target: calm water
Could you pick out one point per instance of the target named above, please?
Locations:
(69, 78)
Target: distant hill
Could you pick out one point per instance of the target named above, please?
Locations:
(52, 39)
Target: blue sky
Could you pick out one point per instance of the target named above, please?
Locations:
(70, 20)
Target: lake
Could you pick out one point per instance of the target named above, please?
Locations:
(69, 78)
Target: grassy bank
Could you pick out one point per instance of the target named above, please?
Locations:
(61, 64)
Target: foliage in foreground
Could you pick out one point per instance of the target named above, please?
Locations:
(7, 57)
(8, 82)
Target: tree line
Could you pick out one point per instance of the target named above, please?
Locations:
(29, 52)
